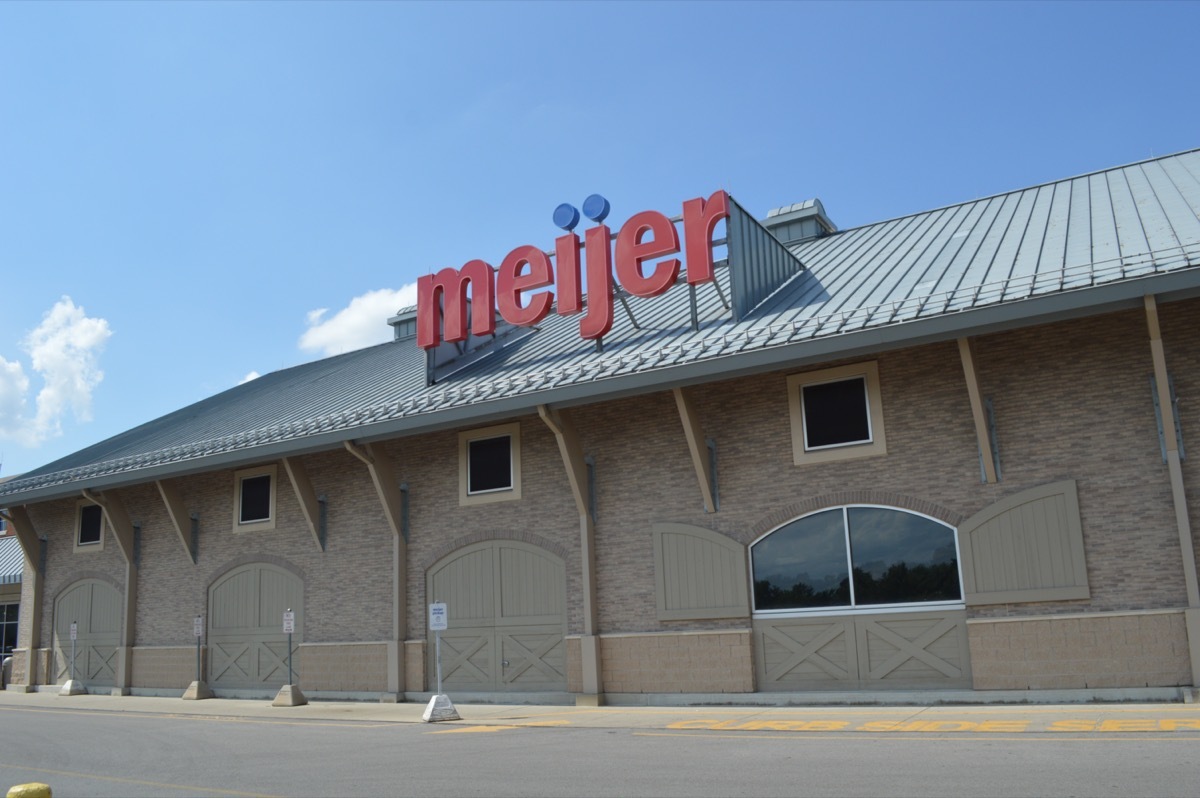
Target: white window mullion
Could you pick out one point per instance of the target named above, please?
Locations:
(849, 558)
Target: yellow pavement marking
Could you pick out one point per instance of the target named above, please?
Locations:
(167, 785)
(991, 726)
(1049, 738)
(544, 724)
(136, 714)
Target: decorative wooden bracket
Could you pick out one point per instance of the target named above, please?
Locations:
(310, 505)
(572, 454)
(118, 521)
(179, 518)
(698, 448)
(966, 351)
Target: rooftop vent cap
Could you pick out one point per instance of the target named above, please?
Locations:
(799, 222)
(404, 323)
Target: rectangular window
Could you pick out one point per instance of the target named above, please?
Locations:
(89, 527)
(490, 464)
(8, 627)
(836, 414)
(254, 499)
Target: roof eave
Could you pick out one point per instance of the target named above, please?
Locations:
(1172, 286)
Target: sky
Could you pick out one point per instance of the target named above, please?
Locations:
(194, 194)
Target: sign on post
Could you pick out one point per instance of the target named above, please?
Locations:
(437, 617)
(198, 626)
(440, 706)
(74, 630)
(289, 622)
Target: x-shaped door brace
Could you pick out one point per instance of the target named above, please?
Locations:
(910, 649)
(463, 659)
(532, 658)
(806, 652)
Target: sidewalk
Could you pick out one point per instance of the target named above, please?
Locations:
(1088, 719)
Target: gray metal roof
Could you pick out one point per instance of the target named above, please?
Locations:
(1073, 247)
(12, 561)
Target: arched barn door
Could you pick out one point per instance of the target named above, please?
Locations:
(246, 644)
(506, 607)
(95, 608)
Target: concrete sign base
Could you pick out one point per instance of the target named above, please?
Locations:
(289, 696)
(73, 687)
(440, 708)
(197, 691)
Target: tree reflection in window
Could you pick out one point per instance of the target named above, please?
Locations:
(896, 557)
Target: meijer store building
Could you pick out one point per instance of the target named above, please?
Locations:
(691, 456)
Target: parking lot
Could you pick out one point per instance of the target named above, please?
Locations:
(109, 746)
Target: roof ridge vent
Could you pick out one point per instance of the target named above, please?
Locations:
(799, 222)
(404, 323)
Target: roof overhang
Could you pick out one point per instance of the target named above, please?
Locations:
(1172, 286)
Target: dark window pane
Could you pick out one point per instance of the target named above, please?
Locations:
(836, 413)
(802, 565)
(256, 499)
(901, 558)
(90, 518)
(489, 465)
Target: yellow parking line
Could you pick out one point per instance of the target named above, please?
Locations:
(1038, 738)
(133, 714)
(138, 781)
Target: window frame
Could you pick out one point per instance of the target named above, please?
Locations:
(5, 623)
(876, 446)
(260, 525)
(852, 608)
(84, 548)
(511, 493)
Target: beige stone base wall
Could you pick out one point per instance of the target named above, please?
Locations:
(360, 667)
(681, 662)
(1139, 649)
(414, 666)
(20, 666)
(166, 666)
(574, 665)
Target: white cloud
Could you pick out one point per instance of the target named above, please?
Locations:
(361, 323)
(254, 375)
(64, 350)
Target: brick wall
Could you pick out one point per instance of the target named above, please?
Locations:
(414, 666)
(687, 662)
(1072, 401)
(360, 667)
(1095, 651)
(165, 667)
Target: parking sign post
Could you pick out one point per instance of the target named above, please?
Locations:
(440, 707)
(290, 695)
(73, 686)
(198, 689)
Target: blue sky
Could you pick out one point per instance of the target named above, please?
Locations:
(193, 193)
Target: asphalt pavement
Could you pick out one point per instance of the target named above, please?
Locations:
(1078, 719)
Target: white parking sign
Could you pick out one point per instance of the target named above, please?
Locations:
(437, 617)
(289, 622)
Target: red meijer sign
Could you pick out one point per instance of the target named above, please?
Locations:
(644, 237)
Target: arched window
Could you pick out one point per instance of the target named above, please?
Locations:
(896, 558)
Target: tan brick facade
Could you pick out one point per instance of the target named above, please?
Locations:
(1147, 649)
(343, 668)
(165, 667)
(686, 662)
(1072, 402)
